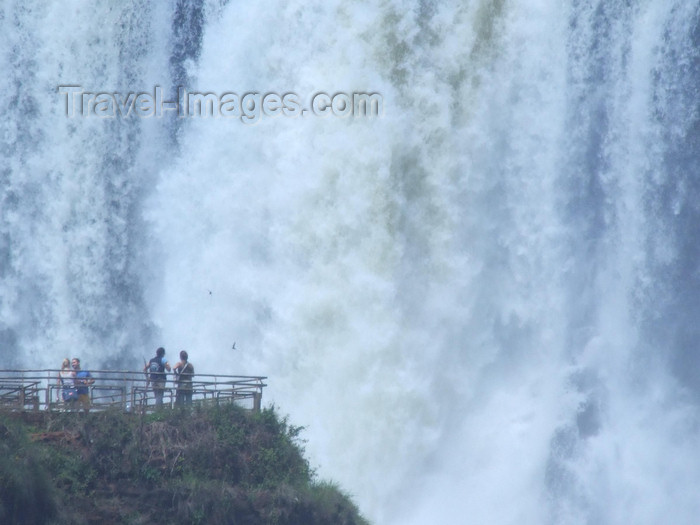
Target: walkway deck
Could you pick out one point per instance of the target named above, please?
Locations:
(130, 391)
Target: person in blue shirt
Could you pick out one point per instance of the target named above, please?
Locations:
(82, 380)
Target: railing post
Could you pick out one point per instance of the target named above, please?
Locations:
(36, 400)
(48, 391)
(257, 401)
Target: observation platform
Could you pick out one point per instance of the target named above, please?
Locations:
(36, 390)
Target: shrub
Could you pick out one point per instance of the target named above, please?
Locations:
(213, 465)
(26, 494)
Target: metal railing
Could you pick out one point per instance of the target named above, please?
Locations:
(128, 390)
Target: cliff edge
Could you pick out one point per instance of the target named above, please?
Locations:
(215, 465)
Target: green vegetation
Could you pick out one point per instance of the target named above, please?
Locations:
(217, 465)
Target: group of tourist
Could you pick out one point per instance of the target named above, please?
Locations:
(155, 370)
(75, 382)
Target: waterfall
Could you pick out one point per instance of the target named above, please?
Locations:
(71, 267)
(481, 302)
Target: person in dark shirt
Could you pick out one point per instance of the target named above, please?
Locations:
(184, 372)
(156, 368)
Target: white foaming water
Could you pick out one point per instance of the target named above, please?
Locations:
(481, 304)
(70, 189)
